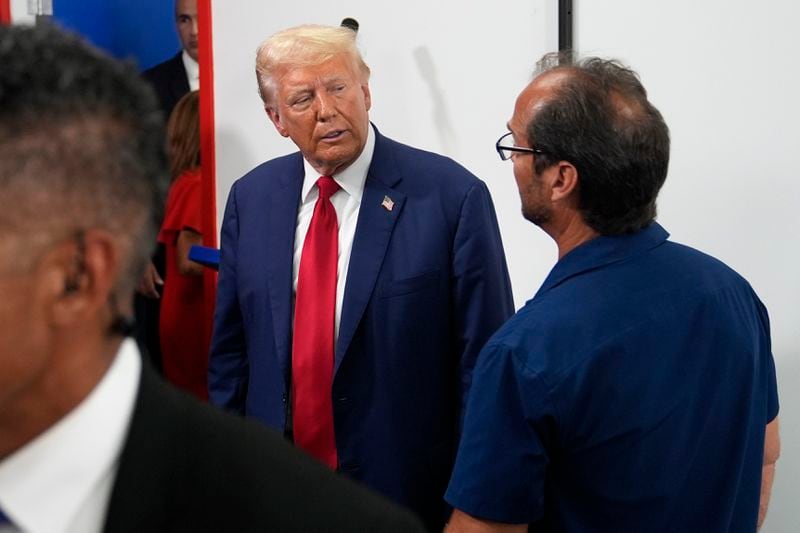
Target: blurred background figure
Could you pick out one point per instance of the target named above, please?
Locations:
(184, 344)
(171, 79)
(181, 73)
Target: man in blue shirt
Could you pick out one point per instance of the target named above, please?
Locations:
(636, 391)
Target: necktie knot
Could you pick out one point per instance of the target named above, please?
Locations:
(327, 187)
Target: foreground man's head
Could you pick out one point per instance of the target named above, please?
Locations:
(81, 181)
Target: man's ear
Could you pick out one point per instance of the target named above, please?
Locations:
(564, 181)
(367, 96)
(77, 277)
(275, 117)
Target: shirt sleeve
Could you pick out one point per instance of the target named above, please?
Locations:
(183, 208)
(772, 385)
(509, 424)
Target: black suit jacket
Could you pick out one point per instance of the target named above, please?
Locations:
(170, 82)
(189, 467)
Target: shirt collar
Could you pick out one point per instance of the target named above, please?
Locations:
(350, 179)
(602, 251)
(191, 66)
(44, 484)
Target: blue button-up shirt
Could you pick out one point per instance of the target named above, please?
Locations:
(630, 394)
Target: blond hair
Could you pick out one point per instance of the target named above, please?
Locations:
(303, 46)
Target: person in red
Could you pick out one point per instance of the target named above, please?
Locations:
(184, 344)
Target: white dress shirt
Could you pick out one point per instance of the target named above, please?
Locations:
(347, 202)
(61, 481)
(192, 71)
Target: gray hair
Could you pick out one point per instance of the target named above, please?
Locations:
(302, 46)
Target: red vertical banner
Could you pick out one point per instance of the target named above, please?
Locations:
(5, 12)
(207, 150)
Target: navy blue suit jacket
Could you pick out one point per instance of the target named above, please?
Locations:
(427, 286)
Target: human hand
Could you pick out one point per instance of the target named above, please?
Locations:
(148, 285)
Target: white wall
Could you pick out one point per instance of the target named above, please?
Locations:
(19, 12)
(445, 76)
(724, 75)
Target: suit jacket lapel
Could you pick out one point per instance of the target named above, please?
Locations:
(139, 499)
(376, 222)
(280, 255)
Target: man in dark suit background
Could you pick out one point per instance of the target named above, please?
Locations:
(171, 80)
(359, 278)
(90, 438)
(181, 73)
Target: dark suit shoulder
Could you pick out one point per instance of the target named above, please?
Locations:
(264, 177)
(168, 69)
(169, 81)
(190, 467)
(422, 170)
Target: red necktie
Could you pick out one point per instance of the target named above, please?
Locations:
(313, 340)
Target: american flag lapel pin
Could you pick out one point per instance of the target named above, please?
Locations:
(387, 203)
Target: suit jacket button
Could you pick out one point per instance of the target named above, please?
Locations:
(283, 398)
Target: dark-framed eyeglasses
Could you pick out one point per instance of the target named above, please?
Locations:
(505, 147)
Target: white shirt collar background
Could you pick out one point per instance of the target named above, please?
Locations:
(192, 71)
